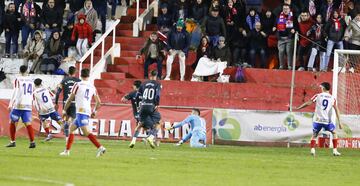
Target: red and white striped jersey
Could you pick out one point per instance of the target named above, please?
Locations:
(23, 93)
(83, 91)
(43, 101)
(324, 107)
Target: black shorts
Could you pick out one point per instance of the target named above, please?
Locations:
(149, 116)
(71, 111)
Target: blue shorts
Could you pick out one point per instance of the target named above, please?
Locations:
(25, 115)
(318, 126)
(81, 120)
(54, 116)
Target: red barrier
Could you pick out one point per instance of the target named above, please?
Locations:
(116, 122)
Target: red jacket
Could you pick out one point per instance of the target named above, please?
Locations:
(83, 31)
(304, 27)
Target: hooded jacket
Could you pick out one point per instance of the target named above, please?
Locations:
(35, 47)
(82, 31)
(91, 16)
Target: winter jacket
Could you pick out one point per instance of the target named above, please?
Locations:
(11, 21)
(50, 16)
(199, 12)
(224, 54)
(82, 31)
(304, 27)
(159, 47)
(268, 24)
(49, 52)
(165, 20)
(59, 5)
(179, 40)
(30, 13)
(353, 32)
(332, 33)
(34, 47)
(214, 26)
(257, 40)
(91, 17)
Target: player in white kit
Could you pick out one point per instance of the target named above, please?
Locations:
(325, 103)
(20, 106)
(45, 107)
(83, 92)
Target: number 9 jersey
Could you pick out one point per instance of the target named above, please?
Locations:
(83, 91)
(323, 109)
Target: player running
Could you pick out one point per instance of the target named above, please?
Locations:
(149, 93)
(83, 92)
(197, 132)
(66, 85)
(325, 103)
(45, 107)
(20, 106)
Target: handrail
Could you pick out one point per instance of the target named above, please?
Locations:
(101, 41)
(139, 24)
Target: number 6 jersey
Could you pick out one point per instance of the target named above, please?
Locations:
(83, 91)
(43, 101)
(323, 109)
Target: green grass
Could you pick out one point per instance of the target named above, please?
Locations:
(169, 165)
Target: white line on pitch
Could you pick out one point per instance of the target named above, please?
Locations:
(24, 178)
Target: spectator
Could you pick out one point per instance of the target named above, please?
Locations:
(12, 25)
(83, 32)
(154, 52)
(268, 21)
(30, 15)
(101, 9)
(66, 37)
(178, 44)
(334, 29)
(51, 18)
(59, 5)
(215, 4)
(230, 15)
(182, 10)
(2, 14)
(75, 5)
(352, 33)
(203, 50)
(285, 31)
(239, 44)
(327, 9)
(199, 11)
(221, 52)
(305, 24)
(53, 54)
(257, 44)
(214, 26)
(252, 18)
(90, 13)
(34, 50)
(18, 3)
(165, 20)
(114, 4)
(293, 8)
(240, 6)
(317, 34)
(311, 6)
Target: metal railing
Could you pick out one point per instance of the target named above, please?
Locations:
(101, 41)
(141, 20)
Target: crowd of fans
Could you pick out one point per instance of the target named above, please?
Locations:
(49, 31)
(241, 35)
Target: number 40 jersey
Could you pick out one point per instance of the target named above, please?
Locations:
(323, 109)
(83, 91)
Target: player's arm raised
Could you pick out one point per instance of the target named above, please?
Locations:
(337, 112)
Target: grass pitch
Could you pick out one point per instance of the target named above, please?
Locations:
(169, 165)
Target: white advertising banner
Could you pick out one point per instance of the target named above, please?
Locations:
(267, 126)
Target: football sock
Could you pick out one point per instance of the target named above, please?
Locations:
(93, 139)
(136, 134)
(30, 131)
(66, 129)
(47, 131)
(313, 143)
(335, 143)
(69, 141)
(12, 131)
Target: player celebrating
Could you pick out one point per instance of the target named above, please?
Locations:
(197, 132)
(20, 106)
(45, 107)
(325, 102)
(66, 85)
(149, 93)
(83, 92)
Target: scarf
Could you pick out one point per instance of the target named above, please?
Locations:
(285, 21)
(231, 13)
(312, 8)
(54, 45)
(318, 31)
(29, 11)
(337, 24)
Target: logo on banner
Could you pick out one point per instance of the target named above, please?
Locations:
(229, 129)
(291, 123)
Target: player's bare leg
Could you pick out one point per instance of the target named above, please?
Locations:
(30, 131)
(335, 142)
(100, 149)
